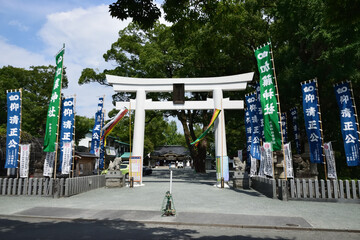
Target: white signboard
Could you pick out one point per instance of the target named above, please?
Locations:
(24, 160)
(135, 168)
(240, 156)
(67, 157)
(49, 164)
(262, 162)
(253, 167)
(288, 160)
(330, 160)
(268, 168)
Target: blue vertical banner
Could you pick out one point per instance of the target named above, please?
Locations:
(349, 125)
(95, 142)
(102, 146)
(260, 113)
(252, 105)
(284, 127)
(295, 125)
(248, 134)
(66, 134)
(312, 120)
(13, 128)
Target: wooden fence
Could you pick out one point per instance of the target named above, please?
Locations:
(50, 187)
(308, 189)
(266, 186)
(330, 189)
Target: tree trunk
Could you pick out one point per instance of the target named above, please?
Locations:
(200, 157)
(198, 154)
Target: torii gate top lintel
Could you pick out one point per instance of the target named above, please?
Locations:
(206, 84)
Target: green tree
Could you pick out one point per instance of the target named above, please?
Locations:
(37, 83)
(321, 39)
(172, 136)
(214, 39)
(83, 125)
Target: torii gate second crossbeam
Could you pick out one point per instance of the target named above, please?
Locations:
(214, 84)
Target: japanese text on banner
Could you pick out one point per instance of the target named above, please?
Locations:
(268, 97)
(66, 133)
(248, 135)
(13, 129)
(53, 111)
(24, 160)
(348, 124)
(294, 119)
(251, 102)
(96, 132)
(312, 121)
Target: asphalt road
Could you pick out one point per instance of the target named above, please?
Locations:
(203, 212)
(34, 228)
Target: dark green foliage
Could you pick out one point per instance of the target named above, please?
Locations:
(82, 127)
(144, 12)
(311, 38)
(37, 84)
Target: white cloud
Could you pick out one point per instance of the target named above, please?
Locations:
(87, 95)
(19, 57)
(22, 27)
(87, 34)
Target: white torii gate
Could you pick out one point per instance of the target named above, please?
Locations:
(213, 84)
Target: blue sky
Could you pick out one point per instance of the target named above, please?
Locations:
(32, 32)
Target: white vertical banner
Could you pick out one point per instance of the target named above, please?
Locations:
(262, 162)
(289, 161)
(268, 167)
(330, 160)
(67, 156)
(24, 160)
(49, 164)
(240, 155)
(253, 167)
(97, 154)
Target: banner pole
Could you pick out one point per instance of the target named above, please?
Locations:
(101, 132)
(74, 131)
(130, 175)
(59, 111)
(279, 113)
(354, 106)
(18, 169)
(321, 129)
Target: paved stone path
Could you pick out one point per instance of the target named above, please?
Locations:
(196, 200)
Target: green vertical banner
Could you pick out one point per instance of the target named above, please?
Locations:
(53, 111)
(268, 97)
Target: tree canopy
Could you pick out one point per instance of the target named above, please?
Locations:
(311, 38)
(37, 83)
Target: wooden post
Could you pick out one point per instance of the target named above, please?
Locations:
(130, 172)
(18, 169)
(279, 113)
(74, 131)
(355, 111)
(321, 131)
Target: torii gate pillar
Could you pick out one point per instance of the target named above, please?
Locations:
(139, 124)
(220, 136)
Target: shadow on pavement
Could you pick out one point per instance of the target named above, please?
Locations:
(104, 229)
